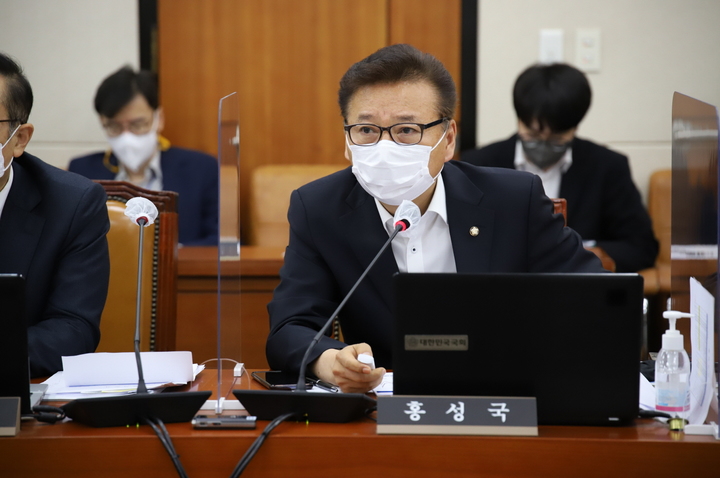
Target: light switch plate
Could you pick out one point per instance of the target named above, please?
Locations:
(551, 45)
(587, 49)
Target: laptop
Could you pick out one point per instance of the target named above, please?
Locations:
(570, 340)
(14, 345)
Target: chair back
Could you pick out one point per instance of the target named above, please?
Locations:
(658, 277)
(159, 275)
(560, 207)
(270, 189)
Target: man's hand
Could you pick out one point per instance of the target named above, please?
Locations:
(342, 368)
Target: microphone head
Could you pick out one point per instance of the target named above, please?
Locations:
(407, 215)
(140, 208)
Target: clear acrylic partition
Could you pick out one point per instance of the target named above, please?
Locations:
(694, 250)
(228, 305)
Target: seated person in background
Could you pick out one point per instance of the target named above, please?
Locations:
(127, 103)
(603, 204)
(398, 107)
(52, 232)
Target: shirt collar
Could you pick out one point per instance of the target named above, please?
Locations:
(438, 205)
(153, 172)
(522, 164)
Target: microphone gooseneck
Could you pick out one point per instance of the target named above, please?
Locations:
(143, 212)
(141, 387)
(407, 214)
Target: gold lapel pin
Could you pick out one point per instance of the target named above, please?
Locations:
(474, 231)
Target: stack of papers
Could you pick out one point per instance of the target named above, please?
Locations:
(113, 374)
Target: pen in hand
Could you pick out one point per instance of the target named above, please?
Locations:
(325, 385)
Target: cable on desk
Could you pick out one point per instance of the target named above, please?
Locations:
(652, 414)
(159, 427)
(250, 453)
(46, 414)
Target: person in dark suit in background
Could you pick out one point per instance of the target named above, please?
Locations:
(603, 204)
(127, 102)
(52, 231)
(398, 107)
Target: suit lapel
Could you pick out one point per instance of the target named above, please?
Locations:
(366, 234)
(20, 225)
(471, 226)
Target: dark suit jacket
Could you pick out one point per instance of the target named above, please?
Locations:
(603, 203)
(52, 231)
(191, 174)
(335, 231)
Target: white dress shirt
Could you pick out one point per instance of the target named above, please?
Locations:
(427, 246)
(552, 177)
(6, 190)
(153, 179)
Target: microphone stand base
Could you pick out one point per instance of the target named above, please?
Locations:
(315, 407)
(170, 407)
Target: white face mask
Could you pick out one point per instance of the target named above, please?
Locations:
(2, 171)
(392, 173)
(134, 149)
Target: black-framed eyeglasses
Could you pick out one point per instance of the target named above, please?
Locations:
(404, 134)
(10, 121)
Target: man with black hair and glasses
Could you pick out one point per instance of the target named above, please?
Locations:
(52, 231)
(128, 106)
(603, 204)
(398, 106)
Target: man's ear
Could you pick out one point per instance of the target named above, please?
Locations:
(22, 138)
(450, 137)
(160, 119)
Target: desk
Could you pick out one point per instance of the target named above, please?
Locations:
(355, 450)
(247, 287)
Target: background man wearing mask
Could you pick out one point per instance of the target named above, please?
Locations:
(127, 103)
(398, 107)
(603, 204)
(52, 232)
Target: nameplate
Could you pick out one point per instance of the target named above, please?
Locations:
(454, 415)
(9, 416)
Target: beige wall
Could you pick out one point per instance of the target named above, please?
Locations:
(66, 48)
(649, 49)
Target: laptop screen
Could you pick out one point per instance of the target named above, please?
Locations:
(570, 340)
(13, 341)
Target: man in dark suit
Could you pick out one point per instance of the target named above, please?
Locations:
(52, 231)
(398, 105)
(127, 102)
(603, 204)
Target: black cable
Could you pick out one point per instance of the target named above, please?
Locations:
(652, 414)
(250, 453)
(47, 413)
(159, 428)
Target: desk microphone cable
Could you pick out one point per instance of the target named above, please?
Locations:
(159, 427)
(250, 453)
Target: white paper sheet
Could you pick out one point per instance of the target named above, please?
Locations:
(58, 389)
(702, 306)
(647, 394)
(121, 368)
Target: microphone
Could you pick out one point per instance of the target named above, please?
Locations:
(407, 215)
(143, 407)
(325, 407)
(143, 213)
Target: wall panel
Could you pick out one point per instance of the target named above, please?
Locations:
(285, 59)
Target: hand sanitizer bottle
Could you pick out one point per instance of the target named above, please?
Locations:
(672, 374)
